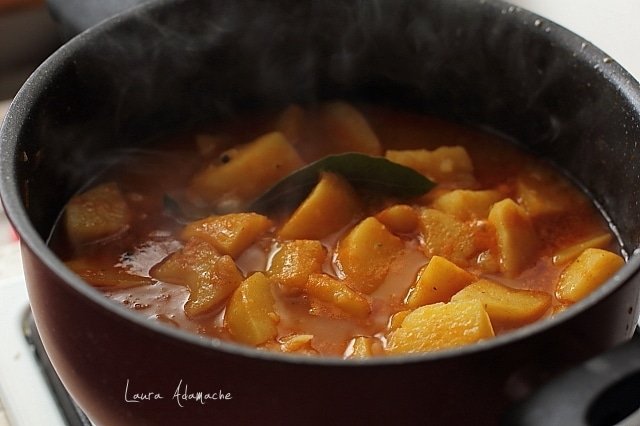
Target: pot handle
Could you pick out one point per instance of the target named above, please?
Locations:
(604, 391)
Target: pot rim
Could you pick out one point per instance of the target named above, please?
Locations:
(19, 113)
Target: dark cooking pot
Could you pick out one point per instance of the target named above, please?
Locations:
(174, 64)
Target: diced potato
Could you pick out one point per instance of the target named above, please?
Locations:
(331, 206)
(335, 292)
(231, 233)
(296, 343)
(441, 326)
(210, 276)
(437, 282)
(291, 123)
(296, 260)
(507, 307)
(347, 130)
(366, 253)
(517, 239)
(396, 319)
(365, 347)
(591, 269)
(445, 164)
(569, 253)
(446, 236)
(399, 218)
(250, 315)
(252, 169)
(96, 214)
(101, 276)
(467, 204)
(540, 192)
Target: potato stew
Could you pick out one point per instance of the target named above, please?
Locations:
(475, 237)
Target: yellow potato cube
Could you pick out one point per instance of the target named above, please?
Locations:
(96, 214)
(437, 282)
(567, 254)
(250, 171)
(347, 130)
(365, 347)
(467, 204)
(100, 276)
(445, 236)
(591, 269)
(331, 206)
(444, 164)
(250, 316)
(297, 343)
(540, 192)
(399, 218)
(210, 276)
(517, 239)
(366, 253)
(231, 233)
(396, 319)
(296, 260)
(507, 307)
(335, 292)
(441, 326)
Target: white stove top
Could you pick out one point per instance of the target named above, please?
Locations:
(610, 25)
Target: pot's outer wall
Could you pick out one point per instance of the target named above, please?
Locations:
(184, 62)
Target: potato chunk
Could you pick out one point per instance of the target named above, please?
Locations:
(210, 276)
(569, 253)
(366, 253)
(399, 218)
(250, 315)
(466, 204)
(517, 240)
(347, 130)
(441, 326)
(251, 170)
(296, 260)
(445, 164)
(98, 213)
(591, 269)
(446, 236)
(365, 347)
(231, 233)
(437, 282)
(337, 293)
(507, 307)
(541, 193)
(100, 276)
(332, 205)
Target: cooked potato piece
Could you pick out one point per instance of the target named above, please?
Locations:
(540, 192)
(332, 205)
(100, 276)
(347, 130)
(446, 236)
(399, 218)
(250, 315)
(296, 260)
(231, 233)
(569, 253)
(210, 276)
(335, 292)
(507, 307)
(591, 269)
(291, 123)
(517, 240)
(99, 213)
(251, 170)
(466, 204)
(437, 282)
(441, 326)
(396, 319)
(445, 164)
(365, 347)
(297, 343)
(366, 253)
